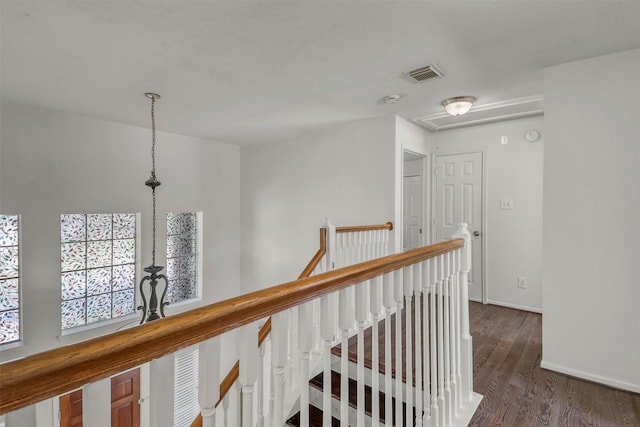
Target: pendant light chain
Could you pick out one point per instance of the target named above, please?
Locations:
(153, 181)
(153, 176)
(153, 138)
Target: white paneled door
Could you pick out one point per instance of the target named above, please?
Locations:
(459, 199)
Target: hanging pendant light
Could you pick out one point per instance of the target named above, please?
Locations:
(150, 310)
(458, 105)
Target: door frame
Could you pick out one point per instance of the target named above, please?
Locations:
(426, 196)
(483, 249)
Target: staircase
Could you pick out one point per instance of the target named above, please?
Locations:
(316, 384)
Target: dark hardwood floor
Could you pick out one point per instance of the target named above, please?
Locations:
(518, 393)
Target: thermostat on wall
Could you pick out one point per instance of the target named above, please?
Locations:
(532, 135)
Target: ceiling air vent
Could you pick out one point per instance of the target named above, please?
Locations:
(422, 74)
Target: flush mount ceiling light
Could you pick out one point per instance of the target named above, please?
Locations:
(458, 105)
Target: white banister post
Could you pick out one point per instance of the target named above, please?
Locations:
(305, 342)
(279, 322)
(249, 360)
(331, 244)
(208, 379)
(466, 345)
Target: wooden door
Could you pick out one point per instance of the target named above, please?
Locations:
(125, 396)
(459, 199)
(71, 409)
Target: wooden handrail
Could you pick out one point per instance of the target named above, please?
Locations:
(43, 375)
(350, 229)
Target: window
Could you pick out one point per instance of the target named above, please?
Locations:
(9, 279)
(182, 256)
(98, 267)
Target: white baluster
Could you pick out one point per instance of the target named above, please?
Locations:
(440, 312)
(249, 360)
(408, 309)
(398, 295)
(375, 306)
(260, 385)
(458, 330)
(435, 413)
(466, 345)
(452, 333)
(426, 287)
(327, 329)
(417, 288)
(225, 409)
(208, 379)
(447, 341)
(389, 302)
(362, 310)
(279, 323)
(345, 316)
(305, 342)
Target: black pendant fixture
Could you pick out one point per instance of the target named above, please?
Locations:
(154, 310)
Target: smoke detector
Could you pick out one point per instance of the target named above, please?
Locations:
(422, 74)
(391, 99)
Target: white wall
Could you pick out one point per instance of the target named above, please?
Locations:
(413, 138)
(55, 162)
(513, 237)
(592, 219)
(288, 188)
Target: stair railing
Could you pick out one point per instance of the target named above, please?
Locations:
(343, 246)
(433, 277)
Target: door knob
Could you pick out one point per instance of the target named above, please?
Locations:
(476, 233)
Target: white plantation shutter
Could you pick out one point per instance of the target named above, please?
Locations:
(185, 388)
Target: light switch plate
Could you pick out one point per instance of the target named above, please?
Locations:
(506, 204)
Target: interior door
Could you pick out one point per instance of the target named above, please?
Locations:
(71, 409)
(125, 396)
(459, 199)
(412, 233)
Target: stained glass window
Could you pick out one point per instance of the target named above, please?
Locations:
(182, 256)
(97, 262)
(9, 279)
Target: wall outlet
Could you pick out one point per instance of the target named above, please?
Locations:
(522, 282)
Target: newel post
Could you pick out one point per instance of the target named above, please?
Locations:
(466, 345)
(331, 244)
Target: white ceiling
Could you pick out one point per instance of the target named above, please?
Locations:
(259, 71)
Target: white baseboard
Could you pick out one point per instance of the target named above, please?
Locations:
(635, 388)
(516, 306)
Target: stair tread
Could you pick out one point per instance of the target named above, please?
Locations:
(352, 348)
(318, 383)
(315, 418)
